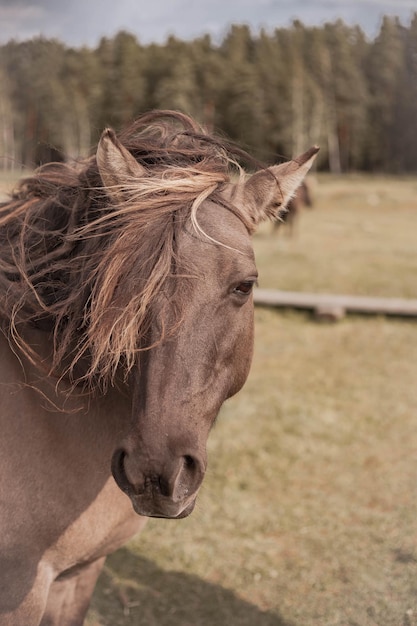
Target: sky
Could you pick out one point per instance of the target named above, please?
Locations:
(84, 22)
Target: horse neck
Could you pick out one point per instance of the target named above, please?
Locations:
(52, 401)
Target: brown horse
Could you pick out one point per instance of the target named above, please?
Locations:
(127, 320)
(289, 217)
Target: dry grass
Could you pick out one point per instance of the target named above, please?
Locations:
(309, 512)
(360, 238)
(308, 515)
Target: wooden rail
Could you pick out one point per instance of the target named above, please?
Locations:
(336, 306)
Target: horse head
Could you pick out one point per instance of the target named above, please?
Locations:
(182, 376)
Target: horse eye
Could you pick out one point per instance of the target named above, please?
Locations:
(244, 288)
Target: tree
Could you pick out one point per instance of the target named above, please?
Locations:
(123, 87)
(207, 72)
(33, 69)
(384, 68)
(404, 135)
(176, 87)
(275, 94)
(7, 125)
(241, 104)
(274, 89)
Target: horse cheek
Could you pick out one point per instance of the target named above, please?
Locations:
(241, 352)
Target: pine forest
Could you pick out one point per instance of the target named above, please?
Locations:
(274, 93)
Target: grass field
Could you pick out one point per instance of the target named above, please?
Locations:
(308, 514)
(360, 239)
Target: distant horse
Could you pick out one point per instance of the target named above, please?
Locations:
(127, 320)
(289, 217)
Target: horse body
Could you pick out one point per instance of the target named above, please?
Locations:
(62, 510)
(109, 389)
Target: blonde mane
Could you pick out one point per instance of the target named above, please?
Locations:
(87, 270)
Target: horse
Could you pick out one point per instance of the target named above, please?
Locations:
(126, 321)
(289, 217)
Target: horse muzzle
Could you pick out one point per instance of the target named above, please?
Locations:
(165, 489)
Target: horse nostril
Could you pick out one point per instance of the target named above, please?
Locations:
(119, 472)
(189, 462)
(192, 470)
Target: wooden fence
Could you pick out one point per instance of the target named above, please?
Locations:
(336, 306)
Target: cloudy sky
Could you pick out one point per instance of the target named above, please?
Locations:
(78, 22)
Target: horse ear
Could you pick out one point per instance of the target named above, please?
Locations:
(117, 166)
(267, 192)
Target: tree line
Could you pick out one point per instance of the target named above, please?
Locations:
(274, 93)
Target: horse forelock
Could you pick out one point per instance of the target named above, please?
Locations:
(90, 271)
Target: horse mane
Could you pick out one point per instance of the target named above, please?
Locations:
(87, 270)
